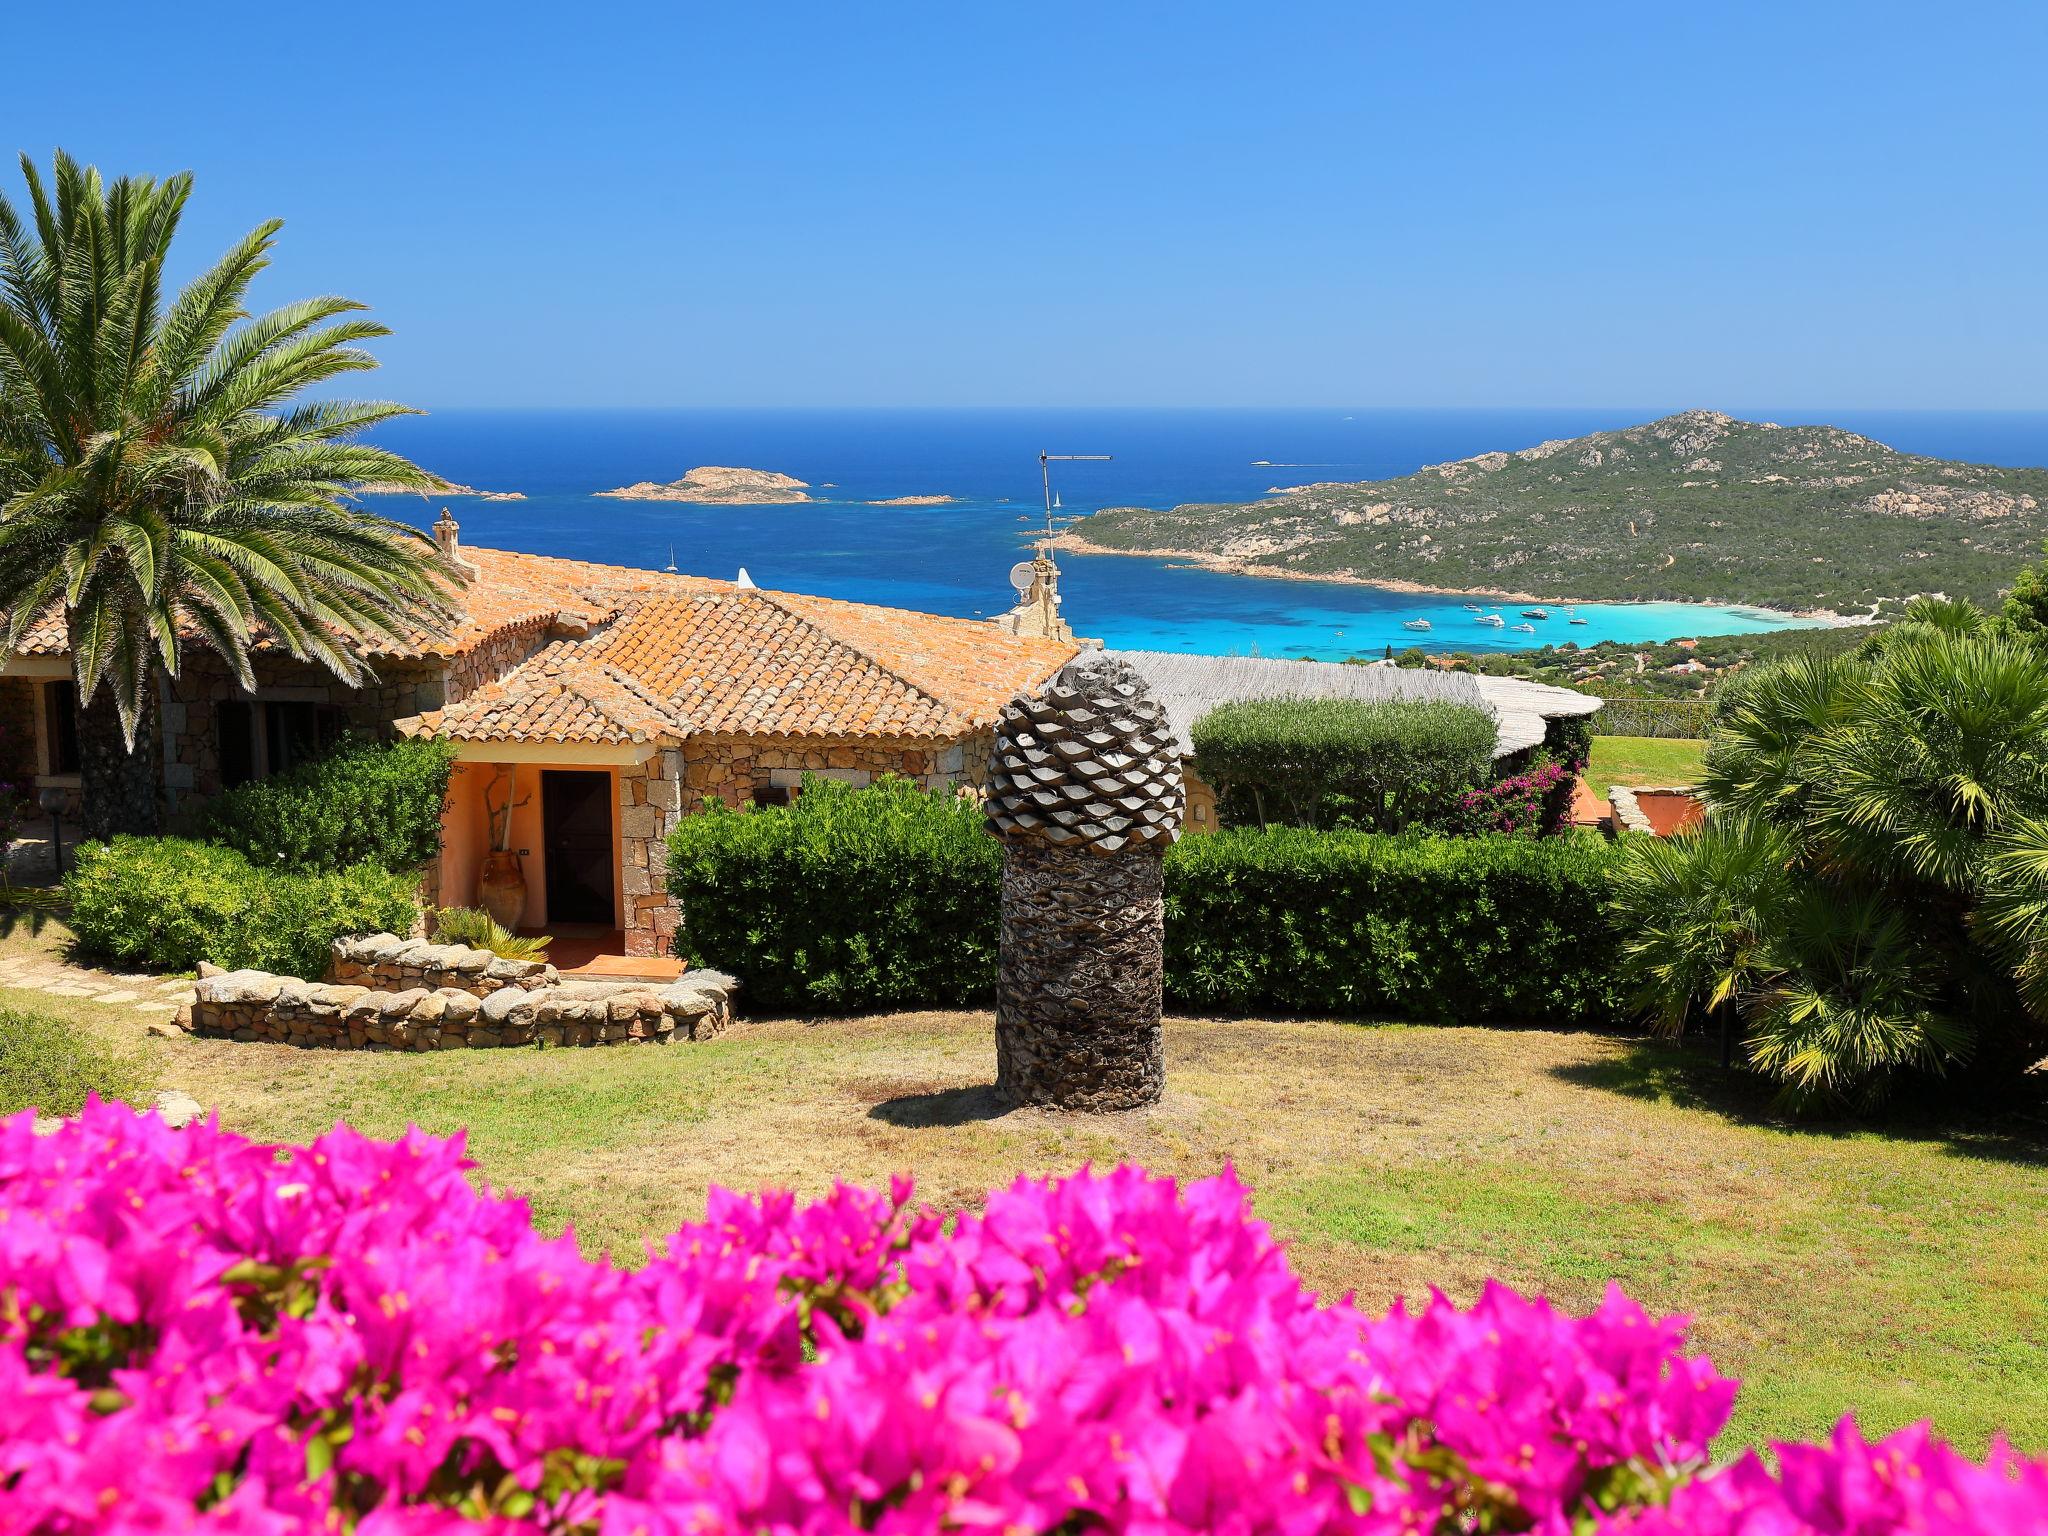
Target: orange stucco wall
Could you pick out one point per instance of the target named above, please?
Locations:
(465, 832)
(1669, 811)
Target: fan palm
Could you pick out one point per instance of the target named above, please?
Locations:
(155, 486)
(1767, 724)
(1949, 749)
(1851, 1001)
(1694, 911)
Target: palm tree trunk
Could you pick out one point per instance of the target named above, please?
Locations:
(121, 789)
(1082, 973)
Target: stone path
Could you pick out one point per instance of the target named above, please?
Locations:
(157, 996)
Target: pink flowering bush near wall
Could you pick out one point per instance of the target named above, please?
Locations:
(200, 1333)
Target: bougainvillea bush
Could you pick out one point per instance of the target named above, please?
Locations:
(201, 1333)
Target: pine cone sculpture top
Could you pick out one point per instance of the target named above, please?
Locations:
(1089, 763)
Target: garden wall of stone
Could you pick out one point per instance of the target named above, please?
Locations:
(475, 1006)
(392, 964)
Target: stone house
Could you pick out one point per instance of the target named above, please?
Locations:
(590, 705)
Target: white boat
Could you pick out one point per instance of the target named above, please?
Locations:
(1577, 620)
(1415, 624)
(1535, 613)
(1473, 608)
(1572, 614)
(1492, 618)
(1525, 629)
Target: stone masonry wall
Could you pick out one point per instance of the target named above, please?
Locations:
(19, 698)
(650, 801)
(383, 960)
(731, 770)
(544, 1010)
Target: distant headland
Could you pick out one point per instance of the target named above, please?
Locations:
(440, 488)
(718, 484)
(1697, 507)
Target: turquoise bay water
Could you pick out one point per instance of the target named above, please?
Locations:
(953, 559)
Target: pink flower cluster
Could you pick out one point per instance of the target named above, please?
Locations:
(201, 1333)
(1532, 804)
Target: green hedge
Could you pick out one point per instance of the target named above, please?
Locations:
(1380, 766)
(844, 899)
(169, 903)
(889, 897)
(368, 801)
(1441, 929)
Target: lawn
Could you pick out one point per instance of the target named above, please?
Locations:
(1643, 760)
(1897, 1275)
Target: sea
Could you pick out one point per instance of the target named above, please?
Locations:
(956, 558)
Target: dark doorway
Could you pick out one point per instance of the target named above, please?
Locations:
(576, 833)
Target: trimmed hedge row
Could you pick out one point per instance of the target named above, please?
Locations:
(169, 903)
(1377, 765)
(368, 801)
(889, 897)
(1442, 929)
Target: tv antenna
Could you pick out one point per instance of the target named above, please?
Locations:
(1045, 463)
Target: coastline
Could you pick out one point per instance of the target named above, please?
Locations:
(1073, 543)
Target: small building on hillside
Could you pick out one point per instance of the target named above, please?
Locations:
(1190, 686)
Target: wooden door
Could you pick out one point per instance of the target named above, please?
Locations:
(576, 832)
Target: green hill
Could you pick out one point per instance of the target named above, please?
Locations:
(1697, 505)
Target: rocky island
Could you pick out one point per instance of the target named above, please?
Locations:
(441, 488)
(718, 485)
(1697, 506)
(915, 501)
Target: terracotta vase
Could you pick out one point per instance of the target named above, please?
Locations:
(501, 888)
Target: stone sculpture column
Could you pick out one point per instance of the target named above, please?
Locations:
(1085, 792)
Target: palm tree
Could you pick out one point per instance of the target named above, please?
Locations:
(154, 487)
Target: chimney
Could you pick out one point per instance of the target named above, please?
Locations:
(448, 539)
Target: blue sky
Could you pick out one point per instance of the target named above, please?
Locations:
(1112, 203)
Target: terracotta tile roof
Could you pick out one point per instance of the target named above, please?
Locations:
(684, 656)
(635, 655)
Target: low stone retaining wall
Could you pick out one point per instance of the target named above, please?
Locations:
(483, 1007)
(387, 962)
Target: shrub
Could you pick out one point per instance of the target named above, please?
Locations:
(170, 902)
(1482, 928)
(857, 898)
(843, 899)
(1381, 766)
(1535, 802)
(1893, 934)
(1108, 1351)
(479, 930)
(367, 802)
(50, 1064)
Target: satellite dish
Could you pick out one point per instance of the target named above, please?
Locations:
(1020, 576)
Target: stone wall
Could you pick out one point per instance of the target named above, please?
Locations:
(20, 697)
(384, 960)
(650, 801)
(732, 770)
(542, 1010)
(191, 705)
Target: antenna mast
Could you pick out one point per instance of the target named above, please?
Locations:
(1045, 463)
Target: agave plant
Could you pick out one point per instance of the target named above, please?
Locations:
(154, 488)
